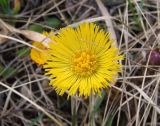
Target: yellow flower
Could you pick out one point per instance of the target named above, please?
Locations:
(83, 61)
(37, 56)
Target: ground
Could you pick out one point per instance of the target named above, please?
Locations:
(26, 99)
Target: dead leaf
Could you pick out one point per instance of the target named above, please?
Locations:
(35, 36)
(26, 92)
(3, 31)
(31, 35)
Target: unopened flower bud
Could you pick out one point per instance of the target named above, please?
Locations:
(155, 57)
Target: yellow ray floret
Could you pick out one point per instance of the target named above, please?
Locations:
(82, 61)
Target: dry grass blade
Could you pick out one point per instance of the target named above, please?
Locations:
(20, 41)
(108, 21)
(33, 103)
(145, 96)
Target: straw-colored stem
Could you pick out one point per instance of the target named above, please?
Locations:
(74, 111)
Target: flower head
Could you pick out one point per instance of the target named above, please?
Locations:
(37, 56)
(82, 61)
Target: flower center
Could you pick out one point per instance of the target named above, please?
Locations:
(84, 63)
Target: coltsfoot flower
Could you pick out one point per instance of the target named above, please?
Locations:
(37, 56)
(82, 61)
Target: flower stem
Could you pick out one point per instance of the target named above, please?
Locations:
(74, 111)
(91, 110)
